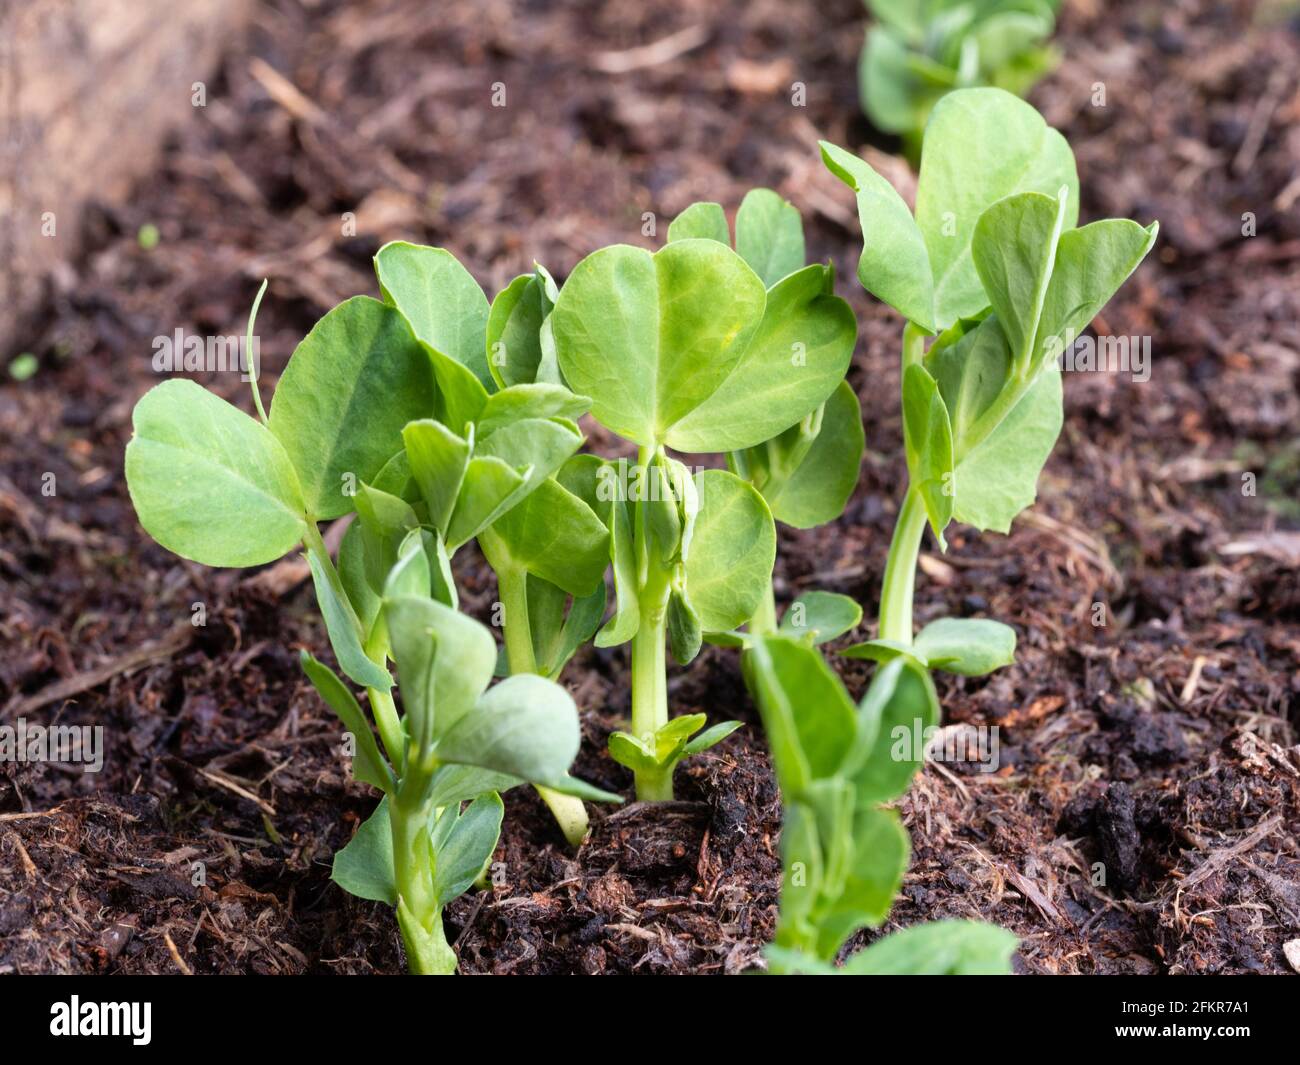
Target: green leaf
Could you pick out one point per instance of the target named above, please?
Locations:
(444, 660)
(970, 647)
(882, 651)
(939, 948)
(368, 765)
(454, 784)
(981, 145)
(342, 626)
(807, 714)
(651, 337)
(439, 460)
(895, 265)
(463, 849)
(623, 625)
(1014, 249)
(210, 483)
(769, 235)
(1091, 264)
(928, 439)
(998, 478)
(816, 489)
(530, 401)
(554, 535)
(821, 615)
(355, 578)
(791, 364)
(490, 489)
(440, 298)
(703, 221)
(880, 851)
(630, 752)
(889, 97)
(731, 552)
(514, 348)
(684, 634)
(355, 380)
(539, 445)
(525, 726)
(411, 574)
(364, 867)
(900, 705)
(711, 737)
(803, 870)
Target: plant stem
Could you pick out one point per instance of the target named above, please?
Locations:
(764, 620)
(390, 725)
(900, 571)
(512, 584)
(649, 662)
(419, 915)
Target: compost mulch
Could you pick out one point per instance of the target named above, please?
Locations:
(1145, 813)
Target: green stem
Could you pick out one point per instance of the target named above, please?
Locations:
(900, 571)
(764, 620)
(913, 345)
(512, 584)
(418, 913)
(649, 662)
(390, 725)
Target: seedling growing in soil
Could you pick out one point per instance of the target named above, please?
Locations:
(463, 741)
(688, 349)
(843, 851)
(993, 264)
(808, 472)
(498, 463)
(350, 429)
(918, 50)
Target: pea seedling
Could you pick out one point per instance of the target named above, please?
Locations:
(687, 349)
(993, 264)
(807, 472)
(918, 50)
(843, 851)
(419, 851)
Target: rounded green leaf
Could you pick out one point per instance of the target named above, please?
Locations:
(652, 337)
(971, 647)
(823, 615)
(355, 380)
(514, 347)
(981, 145)
(364, 867)
(553, 535)
(731, 552)
(703, 221)
(791, 365)
(525, 726)
(938, 948)
(769, 235)
(210, 483)
(440, 298)
(819, 487)
(444, 660)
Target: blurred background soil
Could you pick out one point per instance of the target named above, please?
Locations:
(1145, 815)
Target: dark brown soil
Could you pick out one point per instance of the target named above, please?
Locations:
(1161, 744)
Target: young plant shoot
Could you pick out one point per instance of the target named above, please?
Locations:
(688, 349)
(918, 50)
(358, 422)
(419, 851)
(993, 266)
(808, 472)
(844, 852)
(498, 463)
